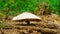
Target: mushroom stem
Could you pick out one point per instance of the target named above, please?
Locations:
(28, 22)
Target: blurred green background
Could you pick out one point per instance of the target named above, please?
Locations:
(14, 7)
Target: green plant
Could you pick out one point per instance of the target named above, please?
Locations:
(2, 24)
(25, 5)
(53, 4)
(11, 7)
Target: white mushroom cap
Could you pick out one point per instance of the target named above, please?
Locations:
(26, 16)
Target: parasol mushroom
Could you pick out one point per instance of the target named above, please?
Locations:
(27, 17)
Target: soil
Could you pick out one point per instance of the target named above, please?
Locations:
(49, 24)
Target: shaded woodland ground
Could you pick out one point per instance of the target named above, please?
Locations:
(49, 24)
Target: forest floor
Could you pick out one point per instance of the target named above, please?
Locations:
(49, 24)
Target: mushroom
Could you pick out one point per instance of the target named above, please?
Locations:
(27, 17)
